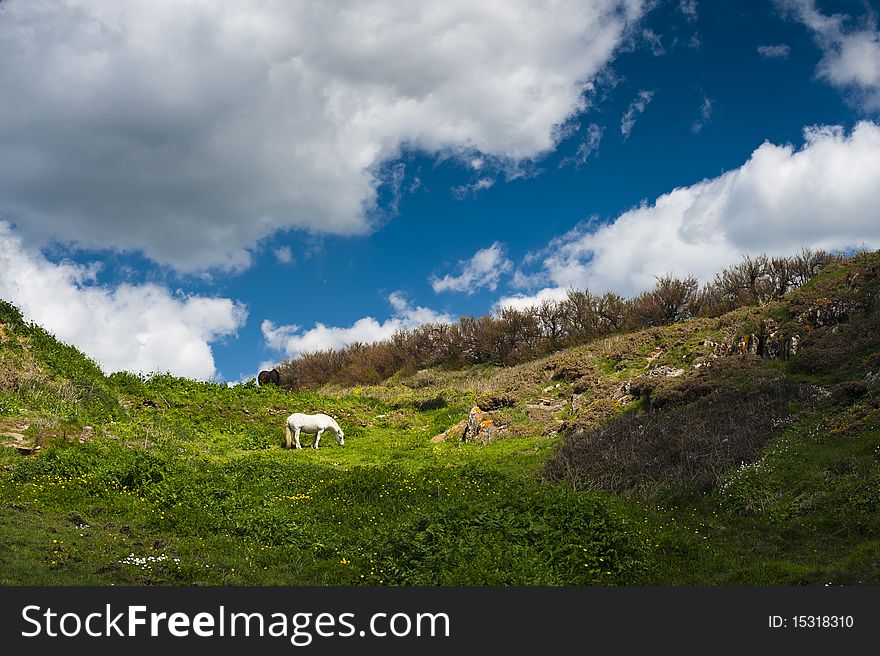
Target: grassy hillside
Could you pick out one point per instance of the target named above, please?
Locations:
(738, 450)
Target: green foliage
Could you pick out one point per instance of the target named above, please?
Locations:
(11, 315)
(495, 530)
(372, 525)
(745, 472)
(517, 336)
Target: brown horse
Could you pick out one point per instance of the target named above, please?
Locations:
(266, 377)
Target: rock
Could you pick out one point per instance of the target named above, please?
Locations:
(637, 387)
(453, 433)
(665, 371)
(748, 344)
(480, 426)
(623, 391)
(773, 346)
(547, 405)
(770, 342)
(626, 393)
(825, 312)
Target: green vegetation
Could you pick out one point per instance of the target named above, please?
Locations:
(653, 457)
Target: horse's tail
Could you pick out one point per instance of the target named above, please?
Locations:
(286, 435)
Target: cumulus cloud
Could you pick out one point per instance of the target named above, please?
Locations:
(484, 269)
(779, 51)
(142, 328)
(293, 341)
(823, 195)
(635, 108)
(850, 55)
(525, 301)
(191, 130)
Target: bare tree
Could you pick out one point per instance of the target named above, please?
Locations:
(669, 302)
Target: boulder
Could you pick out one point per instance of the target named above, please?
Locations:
(480, 426)
(664, 371)
(640, 385)
(769, 342)
(776, 345)
(825, 312)
(453, 433)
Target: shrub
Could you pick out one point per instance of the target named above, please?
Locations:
(513, 336)
(683, 447)
(838, 348)
(848, 391)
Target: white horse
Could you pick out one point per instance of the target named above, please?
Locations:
(311, 424)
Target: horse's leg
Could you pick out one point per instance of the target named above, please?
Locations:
(318, 438)
(287, 436)
(296, 437)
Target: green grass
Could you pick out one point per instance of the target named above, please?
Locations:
(161, 480)
(188, 482)
(272, 518)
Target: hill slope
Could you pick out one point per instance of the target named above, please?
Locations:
(743, 449)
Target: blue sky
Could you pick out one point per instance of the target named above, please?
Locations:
(176, 198)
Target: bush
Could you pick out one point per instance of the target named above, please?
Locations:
(515, 336)
(837, 349)
(848, 391)
(681, 448)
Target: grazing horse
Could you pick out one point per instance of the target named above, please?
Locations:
(265, 377)
(311, 424)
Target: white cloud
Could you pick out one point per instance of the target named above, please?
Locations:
(655, 43)
(284, 255)
(705, 115)
(779, 51)
(587, 147)
(524, 301)
(522, 280)
(191, 130)
(823, 195)
(689, 9)
(635, 108)
(850, 56)
(484, 269)
(293, 341)
(472, 188)
(143, 328)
